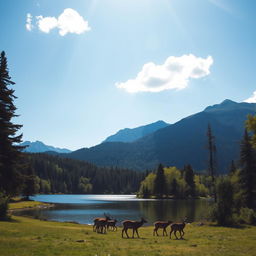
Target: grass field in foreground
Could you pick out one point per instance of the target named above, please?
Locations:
(27, 237)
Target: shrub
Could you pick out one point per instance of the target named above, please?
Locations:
(222, 211)
(247, 216)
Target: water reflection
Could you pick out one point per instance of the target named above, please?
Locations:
(84, 208)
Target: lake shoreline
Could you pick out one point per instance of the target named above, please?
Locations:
(84, 208)
(24, 205)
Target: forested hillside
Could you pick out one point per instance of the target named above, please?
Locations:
(61, 175)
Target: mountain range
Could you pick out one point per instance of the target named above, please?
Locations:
(176, 144)
(130, 135)
(40, 147)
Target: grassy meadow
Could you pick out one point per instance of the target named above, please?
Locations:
(26, 237)
(18, 204)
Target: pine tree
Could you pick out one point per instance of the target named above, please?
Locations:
(160, 183)
(248, 170)
(225, 203)
(232, 167)
(30, 184)
(10, 152)
(174, 188)
(189, 178)
(212, 159)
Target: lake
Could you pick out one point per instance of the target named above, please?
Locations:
(84, 208)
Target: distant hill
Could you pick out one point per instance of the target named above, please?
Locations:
(40, 147)
(131, 135)
(180, 143)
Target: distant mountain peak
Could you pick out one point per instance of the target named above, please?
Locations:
(40, 147)
(228, 101)
(132, 134)
(228, 105)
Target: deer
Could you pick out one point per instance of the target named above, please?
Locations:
(178, 227)
(112, 223)
(163, 225)
(100, 224)
(134, 225)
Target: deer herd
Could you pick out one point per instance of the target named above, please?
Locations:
(101, 225)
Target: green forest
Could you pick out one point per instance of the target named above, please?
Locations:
(53, 174)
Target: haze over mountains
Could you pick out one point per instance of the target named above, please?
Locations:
(40, 147)
(180, 143)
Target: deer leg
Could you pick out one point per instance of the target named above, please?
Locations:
(137, 233)
(171, 234)
(124, 230)
(164, 231)
(182, 234)
(175, 234)
(126, 233)
(133, 233)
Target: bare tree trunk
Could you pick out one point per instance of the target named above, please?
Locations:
(212, 159)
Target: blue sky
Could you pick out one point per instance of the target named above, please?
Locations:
(72, 84)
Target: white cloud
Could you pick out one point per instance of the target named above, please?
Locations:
(174, 74)
(46, 24)
(252, 99)
(29, 25)
(69, 21)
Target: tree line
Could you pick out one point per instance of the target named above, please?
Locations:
(53, 174)
(170, 182)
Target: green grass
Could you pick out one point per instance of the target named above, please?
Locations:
(27, 237)
(19, 204)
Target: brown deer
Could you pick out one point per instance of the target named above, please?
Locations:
(134, 225)
(112, 224)
(178, 227)
(163, 225)
(100, 224)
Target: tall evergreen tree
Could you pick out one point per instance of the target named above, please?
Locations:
(10, 152)
(232, 167)
(189, 178)
(174, 188)
(212, 159)
(30, 184)
(251, 127)
(160, 183)
(225, 203)
(248, 171)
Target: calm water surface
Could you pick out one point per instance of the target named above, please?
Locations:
(84, 208)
